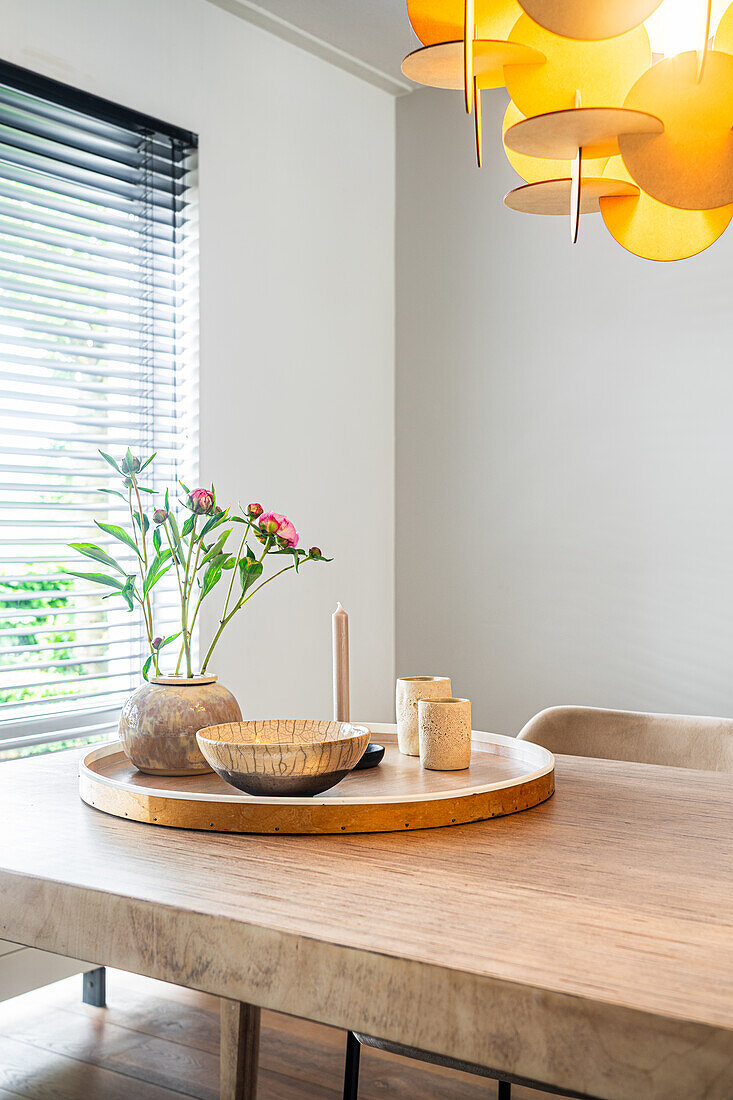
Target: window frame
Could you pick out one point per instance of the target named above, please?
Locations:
(92, 722)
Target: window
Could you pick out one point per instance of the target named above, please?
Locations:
(98, 317)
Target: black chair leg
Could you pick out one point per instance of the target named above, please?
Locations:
(351, 1071)
(94, 988)
(505, 1090)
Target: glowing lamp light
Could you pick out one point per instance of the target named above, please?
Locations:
(680, 25)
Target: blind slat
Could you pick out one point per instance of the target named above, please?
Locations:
(64, 265)
(54, 347)
(101, 303)
(96, 334)
(75, 384)
(34, 176)
(74, 226)
(9, 306)
(26, 230)
(40, 198)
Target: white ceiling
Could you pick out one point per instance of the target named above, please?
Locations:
(376, 34)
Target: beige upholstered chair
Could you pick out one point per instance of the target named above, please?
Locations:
(677, 740)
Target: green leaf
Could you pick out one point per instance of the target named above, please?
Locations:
(184, 487)
(146, 521)
(146, 666)
(113, 464)
(118, 533)
(211, 577)
(98, 578)
(147, 461)
(114, 493)
(142, 489)
(156, 539)
(215, 520)
(89, 550)
(230, 562)
(188, 527)
(176, 536)
(249, 571)
(218, 560)
(128, 591)
(216, 549)
(157, 570)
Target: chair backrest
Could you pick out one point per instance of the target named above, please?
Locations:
(678, 740)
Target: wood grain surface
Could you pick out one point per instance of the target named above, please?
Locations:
(587, 943)
(505, 776)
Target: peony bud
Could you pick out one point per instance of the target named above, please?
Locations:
(201, 501)
(315, 552)
(269, 523)
(160, 515)
(156, 643)
(130, 465)
(254, 511)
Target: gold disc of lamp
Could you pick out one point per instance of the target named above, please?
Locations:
(618, 106)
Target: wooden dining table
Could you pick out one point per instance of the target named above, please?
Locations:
(586, 943)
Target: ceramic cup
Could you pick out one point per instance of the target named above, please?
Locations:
(444, 727)
(409, 690)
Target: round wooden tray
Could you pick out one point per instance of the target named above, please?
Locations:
(505, 776)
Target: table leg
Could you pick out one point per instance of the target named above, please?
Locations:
(94, 987)
(240, 1048)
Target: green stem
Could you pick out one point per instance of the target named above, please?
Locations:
(175, 559)
(180, 586)
(146, 610)
(236, 569)
(144, 541)
(184, 604)
(224, 617)
(239, 604)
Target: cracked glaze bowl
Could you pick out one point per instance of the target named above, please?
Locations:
(283, 757)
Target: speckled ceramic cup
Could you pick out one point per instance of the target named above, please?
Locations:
(409, 690)
(444, 731)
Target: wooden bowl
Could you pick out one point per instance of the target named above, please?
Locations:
(290, 757)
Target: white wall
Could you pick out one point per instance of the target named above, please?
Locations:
(565, 446)
(297, 300)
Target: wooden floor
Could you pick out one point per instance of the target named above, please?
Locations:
(159, 1042)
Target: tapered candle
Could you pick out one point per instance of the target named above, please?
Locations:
(340, 631)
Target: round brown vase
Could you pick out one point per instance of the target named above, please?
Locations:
(159, 723)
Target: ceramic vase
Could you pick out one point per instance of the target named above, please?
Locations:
(409, 690)
(159, 723)
(444, 731)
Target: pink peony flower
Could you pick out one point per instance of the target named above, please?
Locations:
(254, 510)
(160, 515)
(272, 523)
(201, 501)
